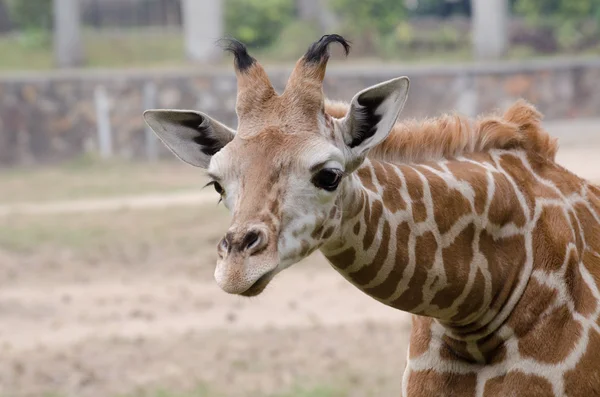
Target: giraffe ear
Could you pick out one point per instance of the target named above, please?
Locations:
(373, 113)
(193, 137)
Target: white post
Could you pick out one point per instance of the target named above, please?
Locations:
(490, 28)
(203, 26)
(105, 144)
(150, 137)
(68, 44)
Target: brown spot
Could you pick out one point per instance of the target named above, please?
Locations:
(430, 383)
(388, 287)
(333, 212)
(527, 183)
(328, 232)
(505, 206)
(415, 190)
(364, 174)
(343, 259)
(457, 259)
(591, 229)
(584, 379)
(506, 258)
(453, 350)
(414, 184)
(566, 182)
(476, 177)
(366, 273)
(584, 300)
(550, 237)
(419, 212)
(372, 221)
(526, 314)
(317, 232)
(518, 384)
(474, 300)
(391, 184)
(449, 205)
(357, 228)
(425, 255)
(492, 348)
(420, 336)
(306, 249)
(574, 222)
(552, 338)
(360, 203)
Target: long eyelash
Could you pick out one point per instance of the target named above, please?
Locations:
(212, 183)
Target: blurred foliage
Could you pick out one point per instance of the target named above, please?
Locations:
(566, 9)
(440, 8)
(34, 19)
(573, 24)
(257, 23)
(292, 42)
(369, 23)
(31, 14)
(380, 16)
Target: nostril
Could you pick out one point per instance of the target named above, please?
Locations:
(225, 245)
(251, 240)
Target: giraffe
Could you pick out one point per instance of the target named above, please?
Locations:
(468, 224)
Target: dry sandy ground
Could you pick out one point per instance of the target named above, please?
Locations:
(133, 306)
(122, 329)
(144, 330)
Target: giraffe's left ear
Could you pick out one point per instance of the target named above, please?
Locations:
(373, 113)
(192, 136)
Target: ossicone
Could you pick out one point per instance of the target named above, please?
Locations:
(318, 51)
(243, 61)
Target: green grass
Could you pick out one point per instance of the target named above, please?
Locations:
(127, 49)
(144, 48)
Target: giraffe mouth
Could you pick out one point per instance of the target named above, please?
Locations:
(259, 285)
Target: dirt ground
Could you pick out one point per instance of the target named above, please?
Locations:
(131, 306)
(122, 302)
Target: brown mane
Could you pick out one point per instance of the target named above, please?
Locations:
(453, 135)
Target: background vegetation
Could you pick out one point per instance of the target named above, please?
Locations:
(409, 30)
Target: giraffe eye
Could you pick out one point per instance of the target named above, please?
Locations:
(218, 188)
(327, 179)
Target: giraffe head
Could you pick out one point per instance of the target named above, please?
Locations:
(282, 171)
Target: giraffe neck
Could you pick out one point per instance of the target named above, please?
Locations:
(498, 254)
(443, 240)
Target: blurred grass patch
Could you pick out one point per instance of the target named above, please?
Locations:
(126, 48)
(88, 177)
(127, 237)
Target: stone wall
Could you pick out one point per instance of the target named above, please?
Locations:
(51, 118)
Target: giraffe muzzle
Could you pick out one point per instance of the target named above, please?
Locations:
(247, 261)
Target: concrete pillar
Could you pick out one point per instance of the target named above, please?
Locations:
(315, 11)
(203, 26)
(490, 28)
(68, 43)
(308, 9)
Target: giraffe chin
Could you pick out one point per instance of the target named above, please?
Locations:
(259, 285)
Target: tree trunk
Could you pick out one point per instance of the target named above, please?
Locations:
(203, 26)
(5, 22)
(490, 28)
(68, 43)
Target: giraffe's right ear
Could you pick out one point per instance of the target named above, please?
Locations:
(192, 136)
(373, 113)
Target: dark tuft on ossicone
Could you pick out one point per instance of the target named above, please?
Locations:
(319, 51)
(243, 60)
